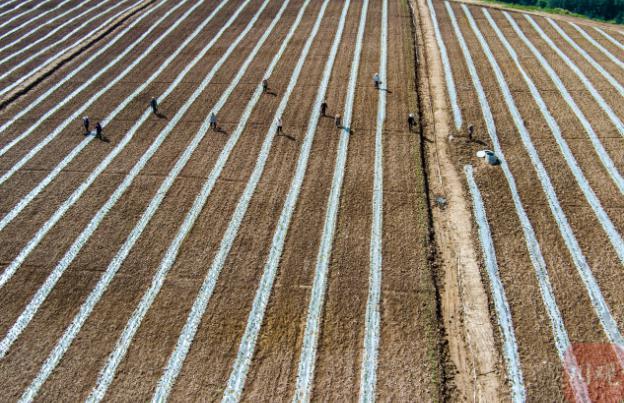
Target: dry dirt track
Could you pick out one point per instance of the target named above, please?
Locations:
(408, 363)
(569, 209)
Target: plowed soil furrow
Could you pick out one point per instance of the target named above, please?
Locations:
(131, 207)
(408, 366)
(50, 46)
(609, 93)
(20, 14)
(342, 329)
(563, 276)
(82, 165)
(572, 129)
(223, 324)
(274, 369)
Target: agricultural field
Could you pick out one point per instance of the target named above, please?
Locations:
(545, 95)
(168, 258)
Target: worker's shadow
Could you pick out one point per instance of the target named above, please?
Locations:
(102, 139)
(271, 93)
(386, 90)
(480, 142)
(346, 129)
(220, 130)
(161, 115)
(288, 136)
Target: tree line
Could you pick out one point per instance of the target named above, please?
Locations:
(608, 10)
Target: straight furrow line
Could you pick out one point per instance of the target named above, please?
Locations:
(32, 71)
(81, 240)
(372, 322)
(606, 161)
(8, 3)
(597, 45)
(586, 56)
(32, 31)
(448, 73)
(503, 312)
(240, 368)
(92, 78)
(562, 340)
(588, 85)
(176, 360)
(602, 309)
(602, 216)
(307, 358)
(10, 20)
(17, 209)
(107, 373)
(609, 38)
(96, 294)
(40, 39)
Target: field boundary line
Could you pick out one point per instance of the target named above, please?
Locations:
(178, 356)
(11, 215)
(606, 161)
(602, 309)
(80, 241)
(597, 45)
(503, 312)
(609, 38)
(98, 291)
(21, 26)
(307, 358)
(11, 19)
(586, 56)
(42, 66)
(602, 216)
(448, 72)
(590, 87)
(368, 371)
(240, 367)
(23, 49)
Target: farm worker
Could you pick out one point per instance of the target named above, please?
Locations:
(154, 105)
(98, 130)
(470, 132)
(337, 121)
(377, 80)
(85, 123)
(279, 125)
(213, 121)
(265, 85)
(411, 121)
(324, 107)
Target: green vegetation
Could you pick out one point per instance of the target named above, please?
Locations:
(604, 10)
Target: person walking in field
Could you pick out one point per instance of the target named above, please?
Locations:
(377, 80)
(470, 132)
(279, 125)
(265, 85)
(338, 122)
(324, 108)
(85, 123)
(154, 105)
(213, 121)
(98, 130)
(411, 122)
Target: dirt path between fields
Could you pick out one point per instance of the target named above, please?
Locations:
(69, 55)
(464, 304)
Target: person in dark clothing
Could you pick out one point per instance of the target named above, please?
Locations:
(411, 122)
(377, 80)
(470, 132)
(213, 121)
(85, 123)
(324, 108)
(154, 105)
(338, 122)
(98, 130)
(265, 85)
